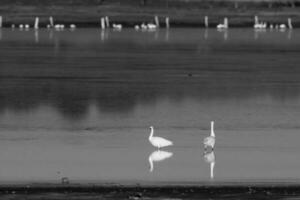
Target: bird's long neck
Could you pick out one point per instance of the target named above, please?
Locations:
(212, 133)
(151, 164)
(151, 133)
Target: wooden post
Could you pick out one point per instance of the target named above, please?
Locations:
(156, 21)
(167, 22)
(206, 21)
(1, 21)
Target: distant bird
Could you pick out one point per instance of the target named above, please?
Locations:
(137, 27)
(151, 26)
(21, 26)
(210, 159)
(59, 26)
(262, 25)
(290, 25)
(36, 23)
(282, 26)
(13, 26)
(158, 142)
(210, 140)
(144, 26)
(72, 26)
(158, 156)
(117, 26)
(27, 26)
(224, 25)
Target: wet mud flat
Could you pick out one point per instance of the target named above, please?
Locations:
(243, 191)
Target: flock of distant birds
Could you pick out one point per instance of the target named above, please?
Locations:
(160, 142)
(105, 23)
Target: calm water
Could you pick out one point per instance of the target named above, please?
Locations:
(79, 105)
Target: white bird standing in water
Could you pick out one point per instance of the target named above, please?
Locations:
(158, 142)
(211, 140)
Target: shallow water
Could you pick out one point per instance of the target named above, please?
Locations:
(79, 105)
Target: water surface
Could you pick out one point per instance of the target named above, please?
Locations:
(79, 104)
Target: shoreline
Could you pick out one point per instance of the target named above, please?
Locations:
(108, 191)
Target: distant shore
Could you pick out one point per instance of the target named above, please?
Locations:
(128, 16)
(242, 191)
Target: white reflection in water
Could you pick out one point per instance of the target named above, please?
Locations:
(206, 34)
(104, 35)
(257, 32)
(209, 157)
(50, 34)
(289, 34)
(167, 35)
(36, 36)
(158, 156)
(225, 33)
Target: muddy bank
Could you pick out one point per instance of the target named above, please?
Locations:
(243, 191)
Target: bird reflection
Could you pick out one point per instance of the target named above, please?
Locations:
(158, 156)
(36, 36)
(104, 35)
(209, 157)
(225, 33)
(205, 34)
(289, 35)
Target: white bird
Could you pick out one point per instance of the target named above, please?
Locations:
(27, 26)
(158, 142)
(21, 26)
(210, 140)
(262, 25)
(117, 26)
(224, 25)
(282, 26)
(137, 27)
(144, 26)
(158, 156)
(151, 26)
(290, 25)
(36, 23)
(72, 26)
(210, 158)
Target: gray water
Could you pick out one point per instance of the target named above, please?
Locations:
(79, 104)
